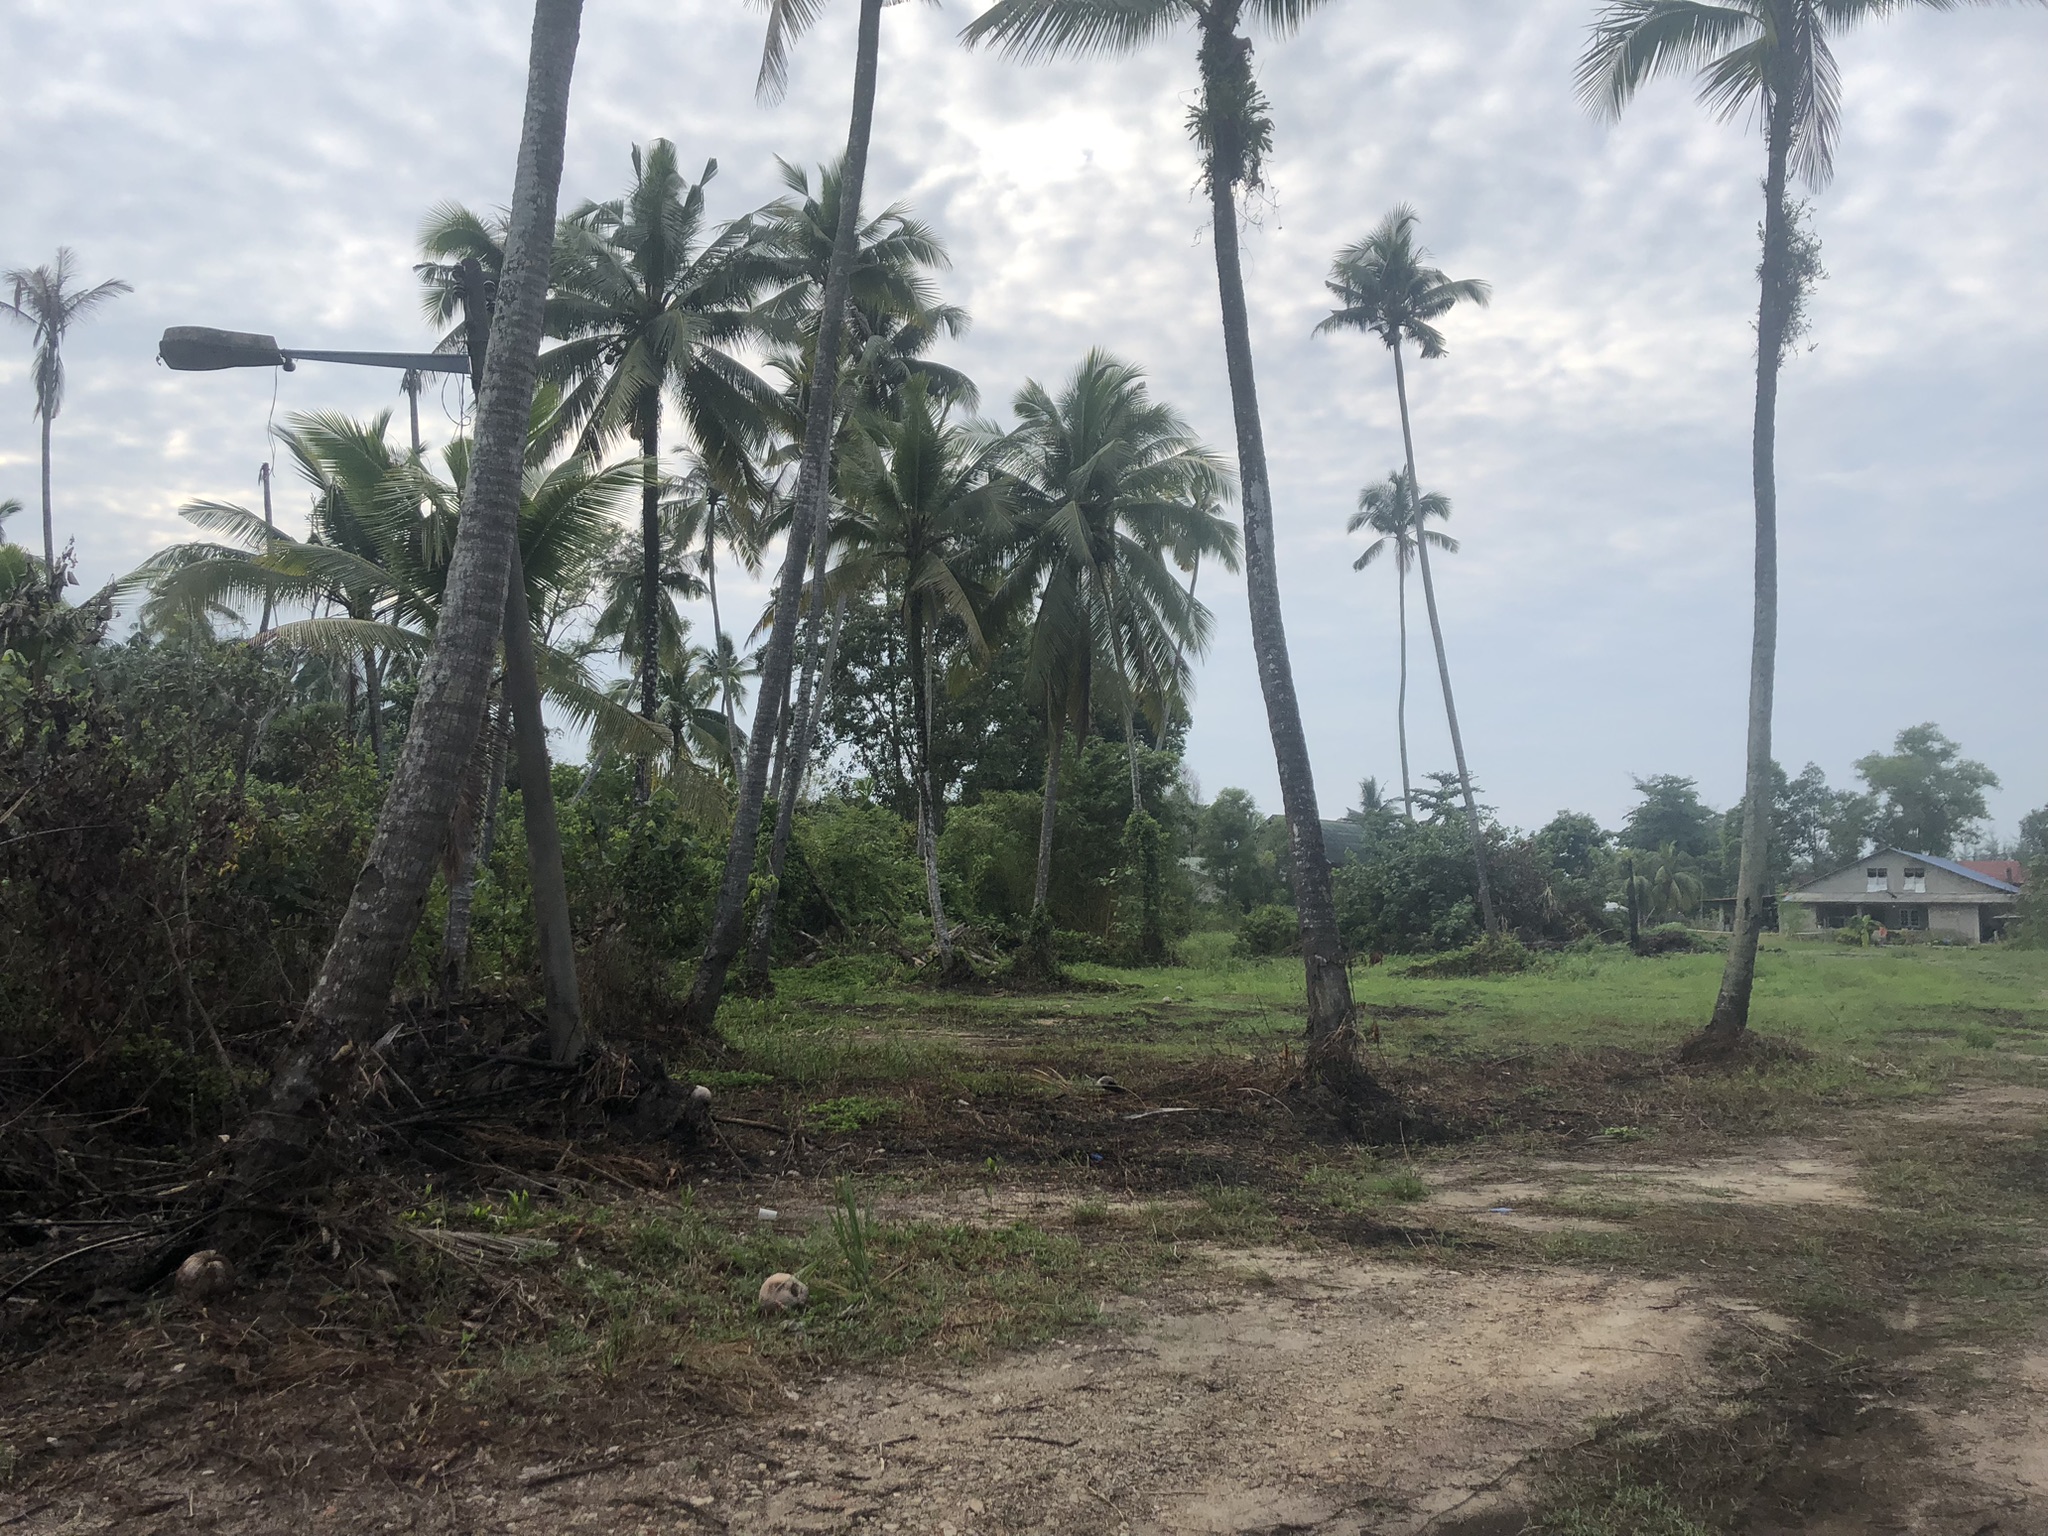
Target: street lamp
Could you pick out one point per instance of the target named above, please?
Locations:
(202, 349)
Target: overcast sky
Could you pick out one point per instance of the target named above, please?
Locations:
(263, 165)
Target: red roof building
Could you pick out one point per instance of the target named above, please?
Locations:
(2011, 871)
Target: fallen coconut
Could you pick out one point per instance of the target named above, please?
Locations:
(783, 1293)
(205, 1275)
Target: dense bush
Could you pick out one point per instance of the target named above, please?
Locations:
(1270, 930)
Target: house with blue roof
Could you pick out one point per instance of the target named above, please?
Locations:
(1908, 893)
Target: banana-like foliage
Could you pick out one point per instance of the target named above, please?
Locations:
(1112, 492)
(369, 576)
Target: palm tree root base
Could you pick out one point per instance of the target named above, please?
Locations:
(1336, 1090)
(1737, 1050)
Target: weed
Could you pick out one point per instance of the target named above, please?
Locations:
(852, 1226)
(846, 1115)
(1617, 1508)
(1089, 1213)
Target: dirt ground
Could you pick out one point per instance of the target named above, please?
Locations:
(1309, 1387)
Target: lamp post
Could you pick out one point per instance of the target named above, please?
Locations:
(202, 349)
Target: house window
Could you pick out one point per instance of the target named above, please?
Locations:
(1916, 881)
(1915, 917)
(1876, 879)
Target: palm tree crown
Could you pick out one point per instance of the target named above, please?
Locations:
(1384, 285)
(1389, 509)
(45, 301)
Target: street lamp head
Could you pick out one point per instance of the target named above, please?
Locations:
(202, 349)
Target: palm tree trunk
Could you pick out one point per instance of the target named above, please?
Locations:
(728, 922)
(455, 933)
(373, 700)
(650, 561)
(325, 1061)
(927, 790)
(732, 729)
(49, 520)
(1055, 744)
(1443, 665)
(1401, 699)
(789, 768)
(1332, 1054)
(1730, 1018)
(543, 832)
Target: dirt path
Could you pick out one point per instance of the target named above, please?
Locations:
(1323, 1392)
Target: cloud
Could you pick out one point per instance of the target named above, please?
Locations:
(266, 167)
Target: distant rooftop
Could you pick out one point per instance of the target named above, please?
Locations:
(2011, 871)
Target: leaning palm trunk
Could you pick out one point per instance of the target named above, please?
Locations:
(543, 830)
(728, 924)
(326, 1057)
(650, 564)
(1333, 1057)
(1443, 665)
(1401, 698)
(732, 729)
(789, 770)
(1730, 1019)
(487, 774)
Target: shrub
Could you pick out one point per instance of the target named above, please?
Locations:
(1495, 955)
(1270, 930)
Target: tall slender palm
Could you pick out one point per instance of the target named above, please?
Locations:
(924, 522)
(1773, 58)
(323, 1060)
(1233, 131)
(651, 301)
(46, 302)
(1384, 286)
(1111, 490)
(787, 19)
(1388, 508)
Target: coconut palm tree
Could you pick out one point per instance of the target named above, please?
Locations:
(323, 1059)
(1775, 59)
(1233, 130)
(1112, 491)
(651, 302)
(1384, 286)
(46, 301)
(924, 523)
(1388, 508)
(787, 19)
(1673, 889)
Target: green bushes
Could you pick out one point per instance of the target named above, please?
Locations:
(1269, 930)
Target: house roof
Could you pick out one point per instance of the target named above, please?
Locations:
(1933, 862)
(2009, 870)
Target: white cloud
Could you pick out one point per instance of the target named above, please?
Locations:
(266, 167)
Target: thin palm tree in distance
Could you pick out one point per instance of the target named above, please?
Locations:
(46, 301)
(1233, 130)
(1384, 286)
(787, 19)
(1388, 508)
(1773, 59)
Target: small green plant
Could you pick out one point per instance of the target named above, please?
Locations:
(1979, 1037)
(1401, 1184)
(852, 1226)
(519, 1208)
(1268, 931)
(1090, 1213)
(1620, 1133)
(1859, 931)
(853, 1113)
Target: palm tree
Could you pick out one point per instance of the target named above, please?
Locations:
(1388, 508)
(1772, 57)
(1233, 130)
(1111, 490)
(1384, 285)
(1672, 888)
(45, 301)
(786, 20)
(651, 302)
(923, 523)
(324, 1056)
